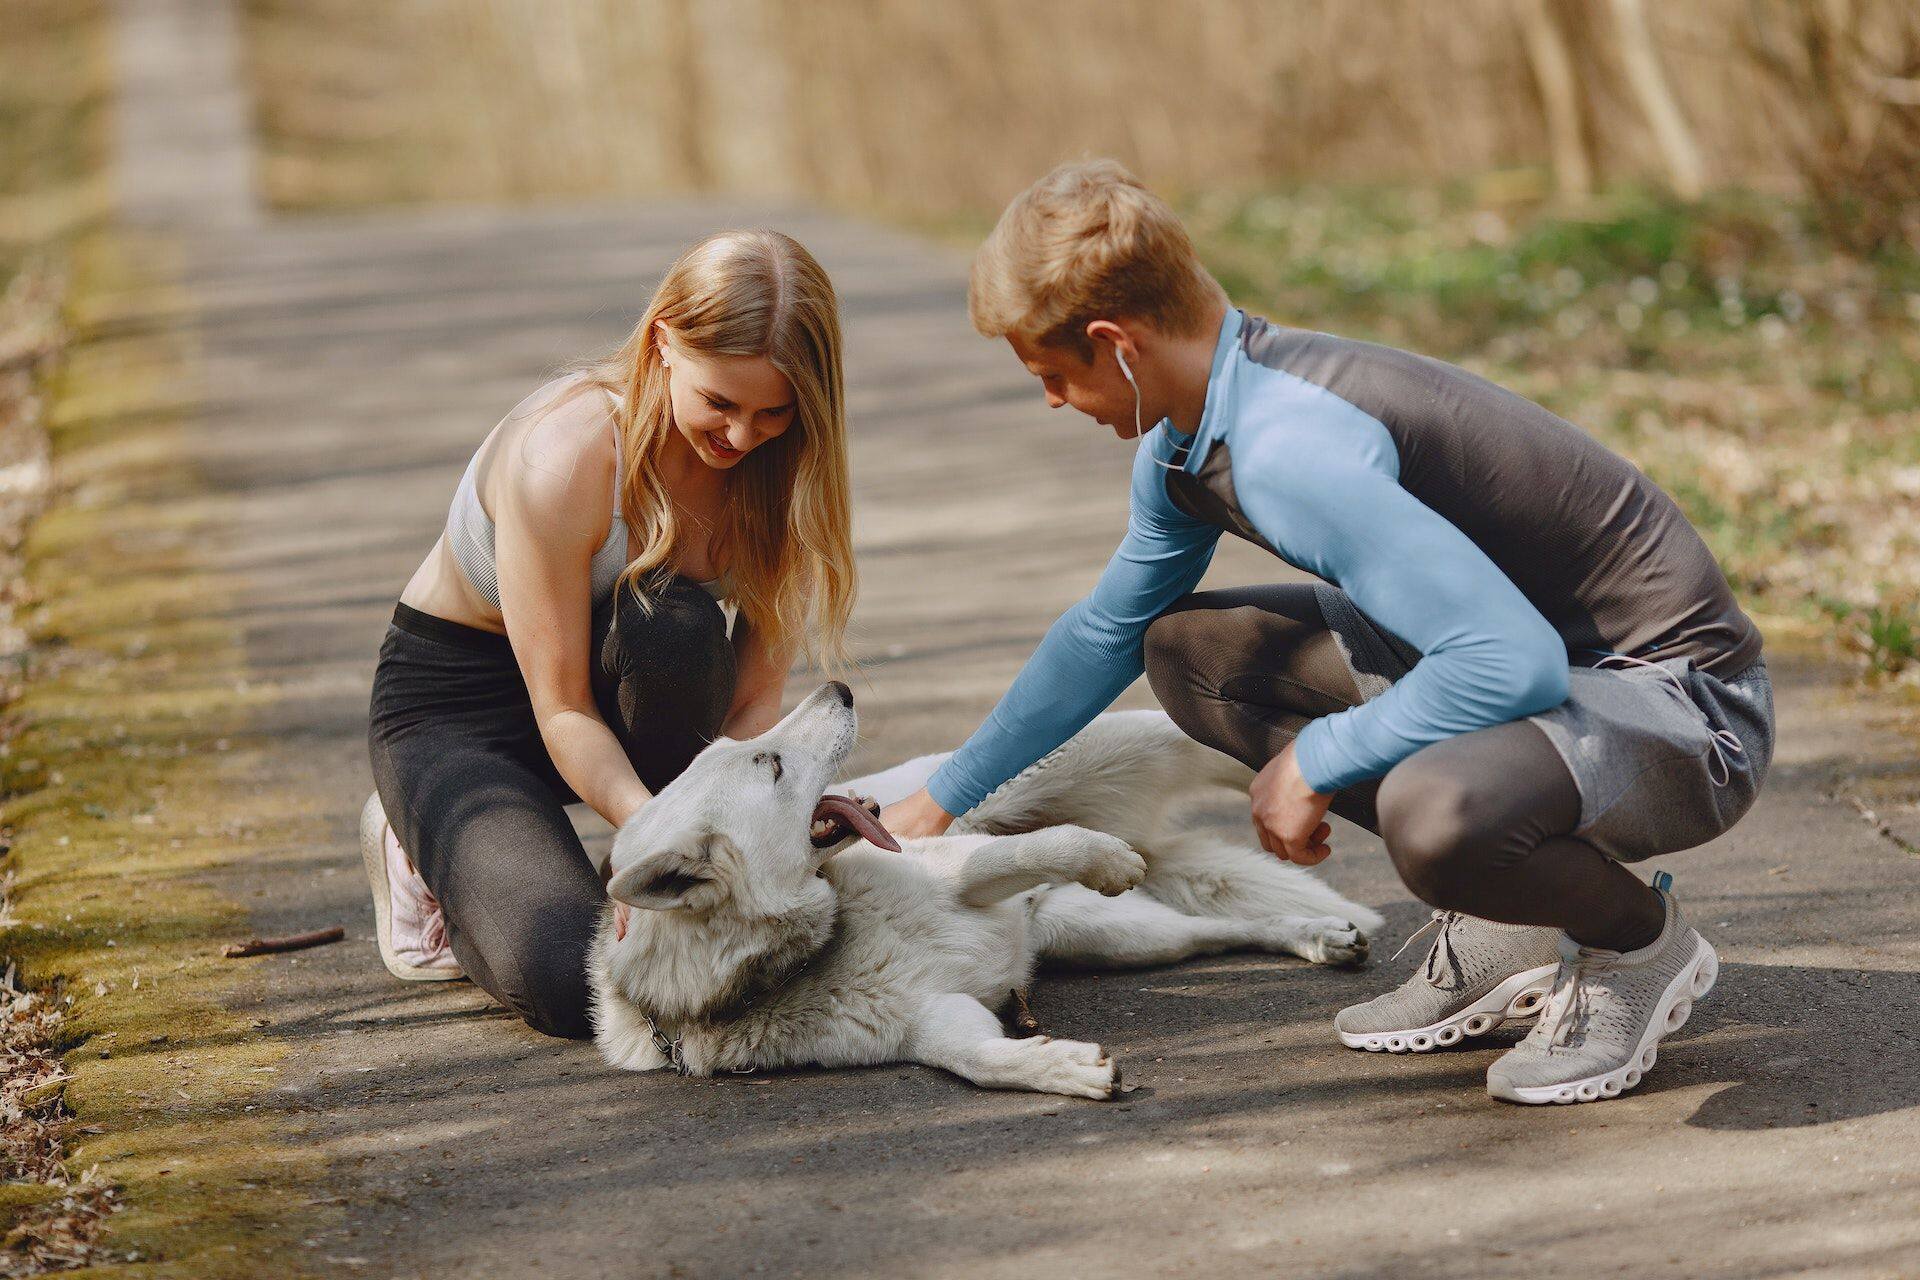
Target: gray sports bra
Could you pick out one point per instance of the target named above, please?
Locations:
(470, 534)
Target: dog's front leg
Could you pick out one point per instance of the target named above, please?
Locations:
(623, 1034)
(1009, 865)
(959, 1034)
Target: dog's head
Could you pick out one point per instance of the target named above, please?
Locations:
(738, 827)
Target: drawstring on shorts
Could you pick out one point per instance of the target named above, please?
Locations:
(1722, 740)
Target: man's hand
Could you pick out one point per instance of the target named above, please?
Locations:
(1289, 815)
(918, 815)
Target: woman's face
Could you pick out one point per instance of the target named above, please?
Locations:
(726, 406)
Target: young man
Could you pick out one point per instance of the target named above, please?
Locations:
(1522, 667)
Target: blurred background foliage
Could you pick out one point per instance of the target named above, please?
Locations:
(930, 107)
(1691, 227)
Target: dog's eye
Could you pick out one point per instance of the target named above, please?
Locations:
(771, 759)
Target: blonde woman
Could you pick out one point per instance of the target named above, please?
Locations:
(565, 638)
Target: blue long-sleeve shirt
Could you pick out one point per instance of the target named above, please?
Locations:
(1319, 431)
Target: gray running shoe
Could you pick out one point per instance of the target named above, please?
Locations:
(1477, 975)
(1602, 1026)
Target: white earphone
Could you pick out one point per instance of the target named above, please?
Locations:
(1127, 372)
(1139, 427)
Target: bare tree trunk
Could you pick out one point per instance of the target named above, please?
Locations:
(1657, 103)
(1559, 96)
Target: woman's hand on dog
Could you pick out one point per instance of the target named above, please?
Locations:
(1289, 816)
(918, 815)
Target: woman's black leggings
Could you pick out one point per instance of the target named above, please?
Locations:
(478, 805)
(1479, 823)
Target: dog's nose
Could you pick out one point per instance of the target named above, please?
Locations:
(845, 694)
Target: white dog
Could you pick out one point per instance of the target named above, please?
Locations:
(757, 947)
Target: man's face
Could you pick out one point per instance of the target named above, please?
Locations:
(1095, 387)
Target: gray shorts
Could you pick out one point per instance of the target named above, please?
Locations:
(1640, 743)
(1641, 746)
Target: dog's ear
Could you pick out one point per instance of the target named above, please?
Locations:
(668, 879)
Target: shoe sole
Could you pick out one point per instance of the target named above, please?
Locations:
(1671, 1014)
(1516, 999)
(373, 856)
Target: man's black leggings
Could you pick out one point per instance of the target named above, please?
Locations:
(478, 805)
(1479, 823)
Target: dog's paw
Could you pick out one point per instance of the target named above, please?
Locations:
(1331, 940)
(1071, 1067)
(631, 1053)
(1111, 866)
(1323, 940)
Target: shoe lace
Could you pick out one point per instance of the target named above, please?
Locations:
(1440, 957)
(433, 934)
(1571, 1004)
(433, 930)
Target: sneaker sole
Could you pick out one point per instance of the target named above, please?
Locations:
(1671, 1014)
(373, 856)
(1515, 999)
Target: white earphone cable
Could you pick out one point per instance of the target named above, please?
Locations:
(1139, 427)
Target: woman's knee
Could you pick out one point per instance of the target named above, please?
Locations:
(680, 619)
(525, 939)
(666, 662)
(548, 986)
(562, 1013)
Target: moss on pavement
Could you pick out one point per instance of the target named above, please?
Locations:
(128, 780)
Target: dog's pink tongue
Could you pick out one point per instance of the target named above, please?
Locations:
(854, 815)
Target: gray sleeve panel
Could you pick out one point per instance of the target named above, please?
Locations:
(1600, 550)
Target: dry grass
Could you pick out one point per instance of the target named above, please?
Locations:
(51, 1216)
(924, 109)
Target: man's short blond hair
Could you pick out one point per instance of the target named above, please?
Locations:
(1088, 242)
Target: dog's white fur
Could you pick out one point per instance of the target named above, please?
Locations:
(755, 949)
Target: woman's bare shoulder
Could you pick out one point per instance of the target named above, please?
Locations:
(559, 453)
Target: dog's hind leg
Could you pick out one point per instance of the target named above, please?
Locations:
(1075, 927)
(959, 1034)
(1009, 865)
(1118, 775)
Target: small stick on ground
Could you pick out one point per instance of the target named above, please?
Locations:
(292, 942)
(1023, 1020)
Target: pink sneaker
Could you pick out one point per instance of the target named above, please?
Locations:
(407, 918)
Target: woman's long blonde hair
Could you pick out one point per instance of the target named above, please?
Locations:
(786, 539)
